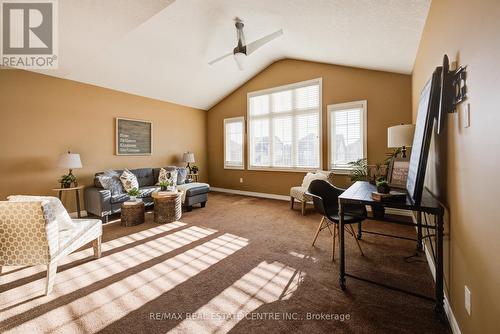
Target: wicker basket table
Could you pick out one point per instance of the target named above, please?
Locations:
(132, 213)
(168, 206)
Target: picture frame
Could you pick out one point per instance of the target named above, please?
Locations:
(133, 137)
(398, 172)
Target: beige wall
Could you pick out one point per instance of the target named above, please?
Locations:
(43, 116)
(464, 162)
(389, 103)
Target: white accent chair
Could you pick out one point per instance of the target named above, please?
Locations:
(37, 230)
(299, 193)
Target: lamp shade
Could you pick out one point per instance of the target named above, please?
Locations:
(400, 135)
(188, 157)
(70, 161)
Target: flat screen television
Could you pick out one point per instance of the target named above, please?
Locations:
(428, 111)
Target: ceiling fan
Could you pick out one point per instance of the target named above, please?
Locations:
(242, 49)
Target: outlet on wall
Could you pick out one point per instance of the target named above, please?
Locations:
(241, 180)
(467, 299)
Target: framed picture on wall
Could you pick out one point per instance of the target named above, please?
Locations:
(398, 172)
(133, 137)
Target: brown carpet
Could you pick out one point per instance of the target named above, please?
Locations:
(240, 265)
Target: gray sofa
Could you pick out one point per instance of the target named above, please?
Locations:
(102, 203)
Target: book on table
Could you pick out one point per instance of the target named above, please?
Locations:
(390, 197)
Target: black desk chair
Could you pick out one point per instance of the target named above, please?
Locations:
(325, 199)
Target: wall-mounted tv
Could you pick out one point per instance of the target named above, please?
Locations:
(428, 109)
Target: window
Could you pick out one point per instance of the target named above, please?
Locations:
(284, 129)
(234, 130)
(347, 134)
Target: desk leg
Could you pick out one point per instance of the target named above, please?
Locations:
(78, 203)
(341, 246)
(359, 230)
(419, 231)
(439, 267)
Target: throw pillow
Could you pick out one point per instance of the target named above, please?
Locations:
(167, 176)
(110, 180)
(182, 173)
(64, 221)
(163, 176)
(129, 180)
(313, 176)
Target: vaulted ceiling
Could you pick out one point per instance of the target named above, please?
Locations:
(161, 48)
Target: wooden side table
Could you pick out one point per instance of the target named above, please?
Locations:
(132, 213)
(193, 177)
(167, 206)
(77, 195)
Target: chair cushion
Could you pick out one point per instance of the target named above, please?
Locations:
(300, 194)
(85, 230)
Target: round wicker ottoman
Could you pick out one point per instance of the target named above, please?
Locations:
(132, 213)
(168, 206)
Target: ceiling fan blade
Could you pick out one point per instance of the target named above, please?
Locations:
(260, 42)
(220, 58)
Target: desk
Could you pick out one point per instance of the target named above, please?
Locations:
(361, 193)
(77, 195)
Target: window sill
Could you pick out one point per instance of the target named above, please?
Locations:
(235, 167)
(277, 169)
(342, 171)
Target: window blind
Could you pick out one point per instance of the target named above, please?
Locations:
(347, 134)
(284, 127)
(234, 130)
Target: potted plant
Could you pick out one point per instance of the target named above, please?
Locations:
(133, 193)
(164, 185)
(383, 186)
(194, 169)
(67, 180)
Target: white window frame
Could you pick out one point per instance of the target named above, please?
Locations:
(234, 120)
(318, 81)
(342, 106)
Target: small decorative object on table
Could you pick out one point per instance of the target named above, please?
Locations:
(398, 172)
(132, 213)
(133, 193)
(167, 206)
(384, 192)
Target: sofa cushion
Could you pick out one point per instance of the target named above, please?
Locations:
(144, 176)
(148, 191)
(119, 198)
(193, 189)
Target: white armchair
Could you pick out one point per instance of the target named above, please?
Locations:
(37, 230)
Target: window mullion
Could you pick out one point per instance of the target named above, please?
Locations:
(271, 132)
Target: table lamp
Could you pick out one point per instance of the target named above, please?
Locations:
(70, 161)
(400, 136)
(188, 157)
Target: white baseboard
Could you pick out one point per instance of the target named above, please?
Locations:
(391, 211)
(447, 307)
(251, 193)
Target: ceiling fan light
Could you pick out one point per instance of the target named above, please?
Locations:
(240, 59)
